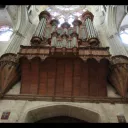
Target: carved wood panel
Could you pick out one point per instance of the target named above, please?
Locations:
(60, 77)
(51, 72)
(43, 79)
(93, 77)
(84, 80)
(76, 77)
(68, 78)
(103, 71)
(64, 77)
(34, 75)
(25, 76)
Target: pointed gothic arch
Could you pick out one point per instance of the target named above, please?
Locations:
(43, 112)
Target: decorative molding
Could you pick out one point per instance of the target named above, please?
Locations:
(9, 72)
(66, 99)
(118, 75)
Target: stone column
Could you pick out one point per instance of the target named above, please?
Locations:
(114, 41)
(116, 47)
(39, 33)
(92, 36)
(9, 62)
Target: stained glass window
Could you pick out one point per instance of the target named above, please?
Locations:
(124, 35)
(5, 33)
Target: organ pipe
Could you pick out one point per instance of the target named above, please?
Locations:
(87, 18)
(68, 37)
(77, 24)
(39, 33)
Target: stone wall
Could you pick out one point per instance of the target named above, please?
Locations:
(31, 111)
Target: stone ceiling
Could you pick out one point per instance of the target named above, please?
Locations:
(66, 12)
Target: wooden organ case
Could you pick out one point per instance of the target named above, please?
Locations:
(64, 62)
(69, 66)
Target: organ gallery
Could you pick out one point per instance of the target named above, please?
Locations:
(64, 62)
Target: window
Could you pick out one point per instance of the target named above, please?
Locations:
(5, 33)
(124, 35)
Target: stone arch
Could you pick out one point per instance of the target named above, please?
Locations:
(54, 110)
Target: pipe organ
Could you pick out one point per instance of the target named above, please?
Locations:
(64, 62)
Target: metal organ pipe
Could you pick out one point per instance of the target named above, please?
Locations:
(69, 42)
(83, 33)
(53, 28)
(74, 41)
(89, 25)
(92, 36)
(92, 28)
(65, 27)
(39, 33)
(88, 29)
(48, 32)
(77, 29)
(38, 28)
(77, 24)
(53, 41)
(54, 33)
(64, 41)
(66, 31)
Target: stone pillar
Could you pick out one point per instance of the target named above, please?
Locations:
(92, 36)
(39, 33)
(116, 46)
(114, 41)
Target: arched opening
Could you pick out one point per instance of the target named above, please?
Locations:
(61, 119)
(61, 113)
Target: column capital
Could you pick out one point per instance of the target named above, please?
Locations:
(44, 14)
(54, 22)
(87, 14)
(76, 22)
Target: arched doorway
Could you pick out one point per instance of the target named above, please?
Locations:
(61, 119)
(61, 113)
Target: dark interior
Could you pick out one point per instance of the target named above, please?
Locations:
(61, 119)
